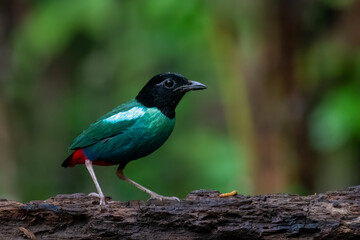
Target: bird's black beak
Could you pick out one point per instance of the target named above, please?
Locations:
(195, 86)
(192, 85)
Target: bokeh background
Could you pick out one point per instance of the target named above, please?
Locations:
(281, 112)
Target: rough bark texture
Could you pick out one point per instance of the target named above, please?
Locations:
(202, 215)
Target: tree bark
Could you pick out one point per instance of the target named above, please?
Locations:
(202, 215)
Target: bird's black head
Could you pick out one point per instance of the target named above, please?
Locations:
(165, 90)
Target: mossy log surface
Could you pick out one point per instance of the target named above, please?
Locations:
(202, 215)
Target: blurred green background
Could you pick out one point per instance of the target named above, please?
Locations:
(281, 112)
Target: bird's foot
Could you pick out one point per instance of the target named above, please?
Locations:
(102, 198)
(161, 198)
(93, 195)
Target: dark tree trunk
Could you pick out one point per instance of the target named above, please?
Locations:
(202, 215)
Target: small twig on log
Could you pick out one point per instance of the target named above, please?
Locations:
(202, 215)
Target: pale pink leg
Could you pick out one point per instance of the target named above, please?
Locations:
(89, 167)
(153, 195)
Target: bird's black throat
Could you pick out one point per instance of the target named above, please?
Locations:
(166, 104)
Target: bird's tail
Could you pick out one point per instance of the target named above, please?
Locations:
(67, 161)
(77, 157)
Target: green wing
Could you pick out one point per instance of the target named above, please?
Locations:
(113, 123)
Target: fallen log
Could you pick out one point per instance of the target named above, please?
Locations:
(202, 215)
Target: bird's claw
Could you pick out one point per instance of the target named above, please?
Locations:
(102, 199)
(161, 198)
(102, 203)
(93, 195)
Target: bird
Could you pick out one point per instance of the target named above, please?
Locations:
(132, 130)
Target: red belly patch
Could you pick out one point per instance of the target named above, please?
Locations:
(79, 157)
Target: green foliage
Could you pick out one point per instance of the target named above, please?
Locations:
(72, 61)
(336, 120)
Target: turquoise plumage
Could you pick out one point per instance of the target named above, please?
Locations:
(101, 129)
(128, 132)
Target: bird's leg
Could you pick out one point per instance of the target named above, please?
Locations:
(89, 167)
(153, 195)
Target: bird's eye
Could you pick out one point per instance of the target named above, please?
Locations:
(169, 83)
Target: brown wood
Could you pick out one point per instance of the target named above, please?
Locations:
(202, 215)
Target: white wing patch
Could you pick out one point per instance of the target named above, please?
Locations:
(131, 114)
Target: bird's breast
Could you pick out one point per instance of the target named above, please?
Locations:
(152, 130)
